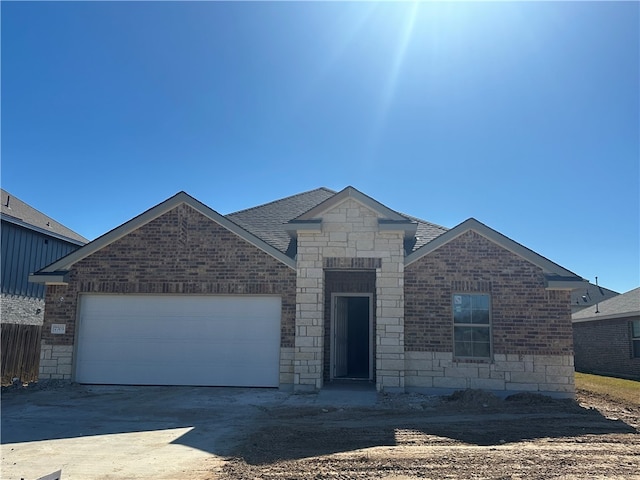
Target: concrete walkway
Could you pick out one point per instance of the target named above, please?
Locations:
(347, 395)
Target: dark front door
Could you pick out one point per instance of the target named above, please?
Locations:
(351, 337)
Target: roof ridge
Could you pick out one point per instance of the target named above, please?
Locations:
(624, 295)
(281, 200)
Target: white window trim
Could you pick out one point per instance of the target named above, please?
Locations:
(454, 325)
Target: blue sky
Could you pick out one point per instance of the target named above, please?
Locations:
(524, 115)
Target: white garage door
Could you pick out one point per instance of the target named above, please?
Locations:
(179, 340)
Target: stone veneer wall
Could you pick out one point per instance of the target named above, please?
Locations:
(548, 374)
(180, 252)
(531, 326)
(56, 362)
(349, 231)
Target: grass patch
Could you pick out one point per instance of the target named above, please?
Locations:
(627, 391)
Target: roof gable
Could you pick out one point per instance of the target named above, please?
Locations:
(388, 219)
(557, 277)
(53, 272)
(352, 193)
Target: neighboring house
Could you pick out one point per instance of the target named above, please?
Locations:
(589, 295)
(30, 241)
(607, 340)
(315, 288)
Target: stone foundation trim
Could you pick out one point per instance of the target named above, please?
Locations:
(508, 372)
(441, 392)
(286, 367)
(56, 362)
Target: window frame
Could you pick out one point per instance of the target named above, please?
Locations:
(635, 339)
(488, 326)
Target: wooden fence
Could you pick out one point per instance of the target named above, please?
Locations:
(20, 352)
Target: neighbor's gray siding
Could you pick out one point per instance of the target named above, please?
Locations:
(25, 251)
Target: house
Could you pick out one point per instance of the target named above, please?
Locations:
(607, 338)
(311, 289)
(589, 295)
(30, 241)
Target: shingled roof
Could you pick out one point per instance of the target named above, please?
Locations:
(627, 304)
(268, 221)
(588, 295)
(20, 213)
(426, 232)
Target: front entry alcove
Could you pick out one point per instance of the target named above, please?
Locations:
(349, 350)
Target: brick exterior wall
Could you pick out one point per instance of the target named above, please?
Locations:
(531, 326)
(604, 347)
(526, 318)
(180, 252)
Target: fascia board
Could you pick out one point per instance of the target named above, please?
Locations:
(496, 237)
(117, 233)
(354, 194)
(28, 226)
(611, 316)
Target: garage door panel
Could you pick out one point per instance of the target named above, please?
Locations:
(179, 340)
(105, 327)
(178, 374)
(172, 352)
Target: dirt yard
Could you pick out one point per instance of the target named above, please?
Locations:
(473, 435)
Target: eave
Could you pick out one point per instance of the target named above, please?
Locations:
(611, 316)
(49, 233)
(50, 278)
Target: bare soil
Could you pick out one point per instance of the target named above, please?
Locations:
(469, 435)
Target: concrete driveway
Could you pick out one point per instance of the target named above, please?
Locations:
(118, 432)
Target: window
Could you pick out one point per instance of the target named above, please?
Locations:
(635, 338)
(471, 325)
